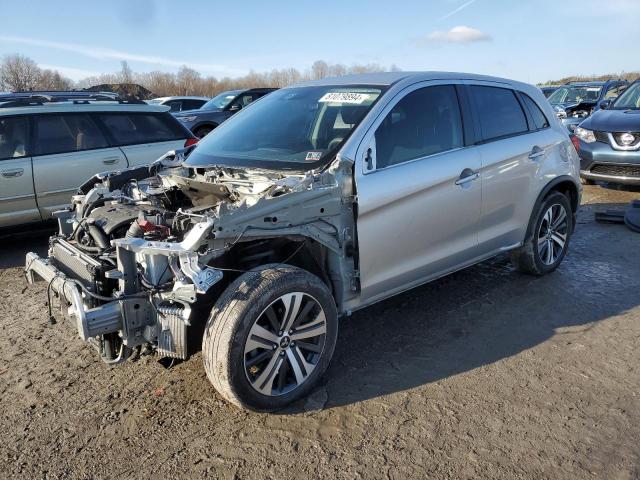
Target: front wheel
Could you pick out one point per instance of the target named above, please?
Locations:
(548, 235)
(270, 337)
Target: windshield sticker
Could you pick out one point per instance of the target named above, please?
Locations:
(344, 97)
(593, 89)
(313, 156)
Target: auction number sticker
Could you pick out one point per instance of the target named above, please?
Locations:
(344, 97)
(313, 156)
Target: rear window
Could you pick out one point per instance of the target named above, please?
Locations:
(67, 133)
(499, 112)
(134, 128)
(539, 119)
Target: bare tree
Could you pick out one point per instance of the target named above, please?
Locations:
(319, 69)
(18, 73)
(53, 80)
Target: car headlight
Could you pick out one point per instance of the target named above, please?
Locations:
(187, 119)
(587, 136)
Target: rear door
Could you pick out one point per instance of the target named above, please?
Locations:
(17, 196)
(69, 148)
(144, 136)
(510, 156)
(419, 192)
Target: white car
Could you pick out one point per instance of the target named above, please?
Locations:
(49, 146)
(178, 104)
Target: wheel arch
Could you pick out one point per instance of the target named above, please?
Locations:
(206, 123)
(298, 251)
(564, 184)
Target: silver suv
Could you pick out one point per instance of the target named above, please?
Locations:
(317, 201)
(51, 142)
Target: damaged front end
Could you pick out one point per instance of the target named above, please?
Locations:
(142, 253)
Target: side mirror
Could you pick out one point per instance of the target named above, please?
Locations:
(235, 107)
(605, 104)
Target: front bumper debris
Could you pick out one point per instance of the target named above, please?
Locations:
(89, 322)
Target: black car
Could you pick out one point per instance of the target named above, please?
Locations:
(609, 141)
(575, 101)
(218, 109)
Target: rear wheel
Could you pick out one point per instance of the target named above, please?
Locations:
(270, 337)
(202, 132)
(548, 236)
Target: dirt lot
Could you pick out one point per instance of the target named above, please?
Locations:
(486, 373)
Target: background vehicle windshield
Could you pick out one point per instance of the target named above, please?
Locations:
(575, 94)
(299, 126)
(630, 99)
(221, 100)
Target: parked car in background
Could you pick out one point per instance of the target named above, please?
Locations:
(318, 200)
(548, 90)
(575, 101)
(609, 141)
(178, 104)
(50, 144)
(218, 109)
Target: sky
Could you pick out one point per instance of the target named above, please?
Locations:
(528, 40)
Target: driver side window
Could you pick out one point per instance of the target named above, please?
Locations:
(425, 122)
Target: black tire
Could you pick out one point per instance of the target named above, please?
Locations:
(202, 132)
(528, 259)
(240, 308)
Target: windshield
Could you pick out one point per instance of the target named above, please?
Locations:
(576, 94)
(221, 100)
(629, 99)
(295, 128)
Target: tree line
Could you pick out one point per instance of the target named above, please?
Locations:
(630, 76)
(20, 73)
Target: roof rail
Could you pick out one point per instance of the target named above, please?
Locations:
(26, 99)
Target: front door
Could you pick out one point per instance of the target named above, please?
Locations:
(419, 193)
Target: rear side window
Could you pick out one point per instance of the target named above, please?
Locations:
(499, 112)
(192, 104)
(14, 133)
(67, 133)
(539, 118)
(135, 128)
(425, 122)
(174, 105)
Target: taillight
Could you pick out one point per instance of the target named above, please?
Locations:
(190, 141)
(576, 142)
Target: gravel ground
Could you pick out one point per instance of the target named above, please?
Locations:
(486, 373)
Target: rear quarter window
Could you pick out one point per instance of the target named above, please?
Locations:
(136, 128)
(499, 112)
(539, 119)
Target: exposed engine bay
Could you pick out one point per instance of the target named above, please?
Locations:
(576, 110)
(142, 254)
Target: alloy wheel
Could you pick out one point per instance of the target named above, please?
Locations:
(285, 344)
(552, 234)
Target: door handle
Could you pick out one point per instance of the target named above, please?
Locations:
(536, 153)
(17, 172)
(467, 176)
(110, 160)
